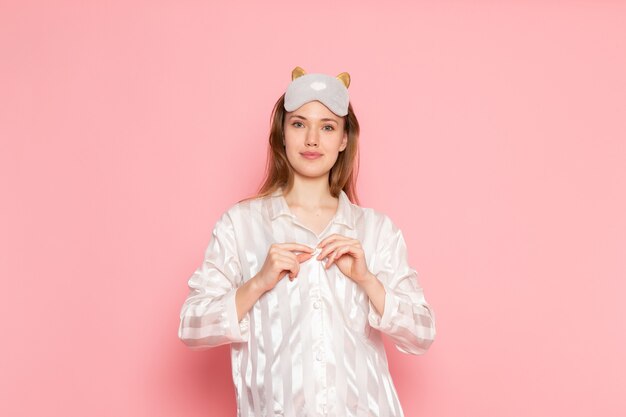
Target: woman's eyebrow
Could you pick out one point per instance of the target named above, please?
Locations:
(325, 119)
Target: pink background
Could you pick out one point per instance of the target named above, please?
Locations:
(494, 134)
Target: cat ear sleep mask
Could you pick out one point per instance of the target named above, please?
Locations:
(330, 91)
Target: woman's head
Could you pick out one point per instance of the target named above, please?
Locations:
(312, 127)
(313, 138)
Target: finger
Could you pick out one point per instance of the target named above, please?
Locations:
(337, 238)
(295, 269)
(292, 265)
(330, 246)
(285, 263)
(304, 257)
(334, 245)
(337, 254)
(296, 256)
(329, 239)
(290, 246)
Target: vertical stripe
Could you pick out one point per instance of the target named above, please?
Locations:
(362, 376)
(349, 358)
(245, 394)
(266, 394)
(362, 380)
(383, 401)
(252, 368)
(239, 354)
(283, 382)
(320, 335)
(235, 356)
(394, 396)
(306, 340)
(338, 329)
(294, 302)
(372, 387)
(255, 358)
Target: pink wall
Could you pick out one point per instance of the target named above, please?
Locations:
(128, 127)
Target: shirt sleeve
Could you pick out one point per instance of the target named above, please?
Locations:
(208, 316)
(407, 318)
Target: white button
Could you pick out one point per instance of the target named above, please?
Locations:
(318, 356)
(316, 304)
(324, 408)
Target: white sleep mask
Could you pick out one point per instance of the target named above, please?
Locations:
(330, 91)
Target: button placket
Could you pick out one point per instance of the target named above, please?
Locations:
(317, 306)
(317, 303)
(317, 313)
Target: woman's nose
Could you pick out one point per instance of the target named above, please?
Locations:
(312, 137)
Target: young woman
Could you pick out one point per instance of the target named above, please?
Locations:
(309, 345)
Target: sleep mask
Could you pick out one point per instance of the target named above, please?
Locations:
(330, 91)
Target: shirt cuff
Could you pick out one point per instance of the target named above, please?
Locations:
(239, 330)
(391, 306)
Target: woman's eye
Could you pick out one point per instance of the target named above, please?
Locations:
(298, 124)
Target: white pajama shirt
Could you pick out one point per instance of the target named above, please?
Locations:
(312, 346)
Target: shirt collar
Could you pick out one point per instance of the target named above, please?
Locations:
(278, 207)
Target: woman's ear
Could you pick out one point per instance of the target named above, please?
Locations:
(344, 142)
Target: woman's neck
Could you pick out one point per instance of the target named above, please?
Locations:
(310, 193)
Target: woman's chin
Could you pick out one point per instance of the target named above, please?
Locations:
(312, 173)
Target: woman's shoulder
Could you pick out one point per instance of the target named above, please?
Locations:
(371, 217)
(248, 208)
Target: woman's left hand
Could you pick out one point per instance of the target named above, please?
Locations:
(348, 255)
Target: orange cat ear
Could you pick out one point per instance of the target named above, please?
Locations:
(297, 72)
(344, 77)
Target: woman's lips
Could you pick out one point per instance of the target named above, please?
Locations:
(311, 155)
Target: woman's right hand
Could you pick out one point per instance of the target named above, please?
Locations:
(282, 257)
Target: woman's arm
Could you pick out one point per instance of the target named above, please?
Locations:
(247, 295)
(211, 316)
(375, 291)
(398, 307)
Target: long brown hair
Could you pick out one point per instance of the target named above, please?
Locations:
(279, 173)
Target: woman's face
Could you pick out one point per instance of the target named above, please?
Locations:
(314, 136)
